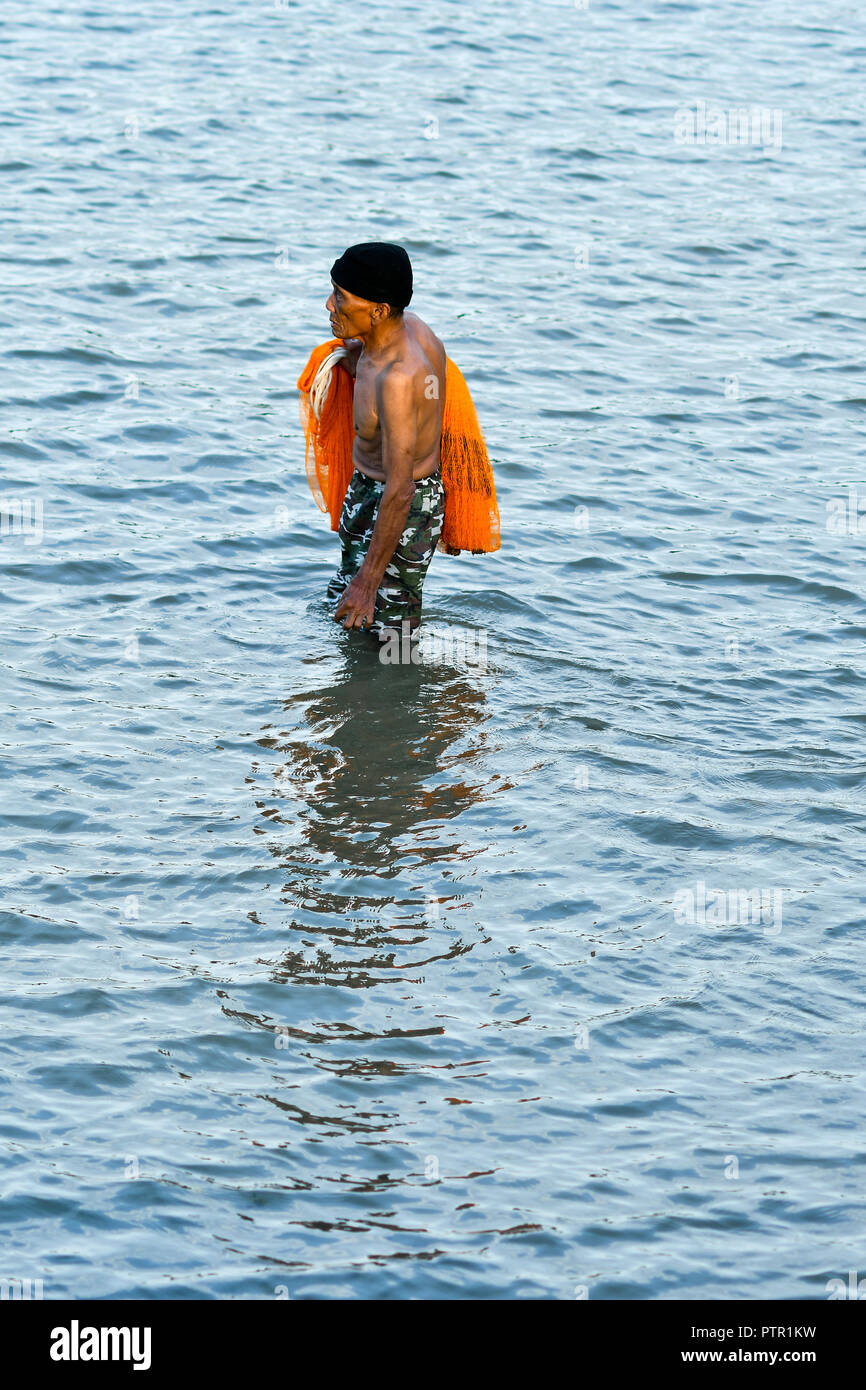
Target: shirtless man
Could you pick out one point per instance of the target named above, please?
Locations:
(392, 514)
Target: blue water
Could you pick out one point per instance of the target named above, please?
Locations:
(327, 978)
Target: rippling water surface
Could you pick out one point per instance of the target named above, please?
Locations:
(345, 980)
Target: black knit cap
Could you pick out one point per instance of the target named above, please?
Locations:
(375, 270)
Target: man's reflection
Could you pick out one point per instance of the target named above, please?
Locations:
(377, 768)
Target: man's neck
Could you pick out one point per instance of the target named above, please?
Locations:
(383, 337)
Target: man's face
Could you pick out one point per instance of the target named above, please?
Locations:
(351, 317)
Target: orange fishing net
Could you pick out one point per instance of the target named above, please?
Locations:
(327, 391)
(330, 433)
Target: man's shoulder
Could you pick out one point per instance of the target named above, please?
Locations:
(405, 377)
(408, 365)
(397, 379)
(424, 333)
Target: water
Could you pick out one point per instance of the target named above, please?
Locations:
(326, 978)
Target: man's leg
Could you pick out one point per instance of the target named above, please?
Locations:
(399, 594)
(357, 519)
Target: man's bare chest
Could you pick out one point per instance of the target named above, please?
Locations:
(366, 412)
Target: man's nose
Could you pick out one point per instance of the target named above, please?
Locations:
(330, 306)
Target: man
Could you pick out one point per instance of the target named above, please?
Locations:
(393, 510)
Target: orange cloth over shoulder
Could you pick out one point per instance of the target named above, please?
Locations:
(327, 392)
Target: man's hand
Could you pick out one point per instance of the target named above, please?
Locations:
(357, 604)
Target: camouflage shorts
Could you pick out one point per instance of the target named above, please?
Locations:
(399, 594)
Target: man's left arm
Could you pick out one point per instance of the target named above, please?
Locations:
(399, 426)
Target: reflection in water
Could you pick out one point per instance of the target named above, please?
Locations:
(375, 772)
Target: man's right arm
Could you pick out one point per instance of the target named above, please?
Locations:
(353, 352)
